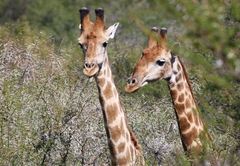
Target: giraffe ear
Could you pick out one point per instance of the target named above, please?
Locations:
(172, 56)
(110, 32)
(80, 28)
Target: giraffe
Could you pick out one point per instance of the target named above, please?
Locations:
(123, 145)
(157, 63)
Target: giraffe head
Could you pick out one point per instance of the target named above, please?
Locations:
(93, 40)
(155, 63)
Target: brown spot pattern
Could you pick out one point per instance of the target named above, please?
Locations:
(179, 67)
(179, 77)
(172, 85)
(101, 82)
(126, 159)
(115, 133)
(187, 103)
(174, 94)
(189, 137)
(121, 147)
(180, 86)
(181, 98)
(190, 117)
(187, 141)
(111, 112)
(180, 108)
(108, 93)
(187, 87)
(184, 125)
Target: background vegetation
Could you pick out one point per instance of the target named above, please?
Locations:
(49, 111)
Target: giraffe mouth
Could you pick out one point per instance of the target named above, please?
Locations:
(145, 82)
(133, 88)
(134, 83)
(92, 72)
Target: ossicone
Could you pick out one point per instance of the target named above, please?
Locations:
(152, 41)
(163, 33)
(100, 21)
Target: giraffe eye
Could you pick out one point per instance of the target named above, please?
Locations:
(105, 44)
(160, 62)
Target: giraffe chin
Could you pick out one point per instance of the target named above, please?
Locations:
(131, 89)
(91, 72)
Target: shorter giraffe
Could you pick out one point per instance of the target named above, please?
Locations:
(123, 145)
(157, 63)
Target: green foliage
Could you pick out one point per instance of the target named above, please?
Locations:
(12, 9)
(41, 102)
(49, 111)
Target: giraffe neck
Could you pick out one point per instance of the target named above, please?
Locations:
(189, 122)
(122, 143)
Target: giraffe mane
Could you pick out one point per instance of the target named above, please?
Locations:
(134, 140)
(187, 78)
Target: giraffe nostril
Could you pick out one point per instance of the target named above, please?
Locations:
(87, 65)
(131, 81)
(134, 81)
(128, 81)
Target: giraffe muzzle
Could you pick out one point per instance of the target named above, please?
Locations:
(90, 69)
(132, 85)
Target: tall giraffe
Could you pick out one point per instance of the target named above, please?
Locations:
(157, 63)
(123, 145)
